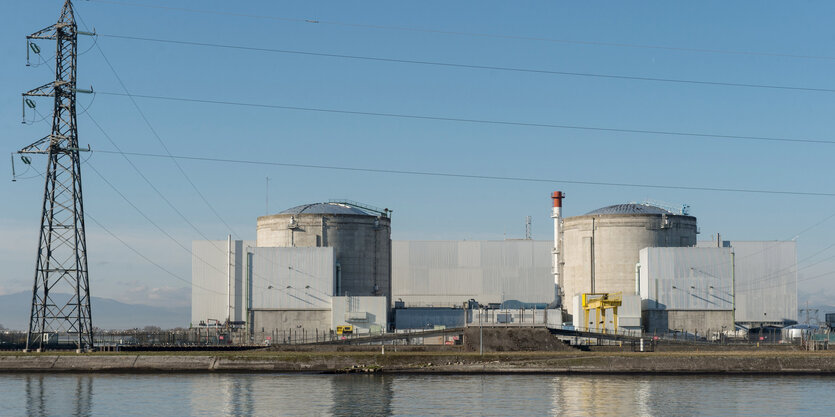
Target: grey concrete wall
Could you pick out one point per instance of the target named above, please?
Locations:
(287, 320)
(603, 249)
(702, 321)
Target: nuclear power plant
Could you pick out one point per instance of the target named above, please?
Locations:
(634, 267)
(602, 246)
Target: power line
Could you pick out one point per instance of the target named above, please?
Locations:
(159, 193)
(147, 181)
(149, 260)
(129, 246)
(478, 34)
(473, 66)
(141, 213)
(477, 121)
(814, 277)
(159, 139)
(162, 196)
(471, 176)
(168, 235)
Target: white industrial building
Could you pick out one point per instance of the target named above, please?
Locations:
(272, 290)
(713, 287)
(600, 248)
(313, 268)
(765, 281)
(281, 288)
(448, 273)
(218, 269)
(686, 289)
(318, 266)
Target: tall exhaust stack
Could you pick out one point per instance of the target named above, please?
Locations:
(556, 214)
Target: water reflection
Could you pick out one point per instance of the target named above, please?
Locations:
(374, 399)
(35, 396)
(418, 395)
(45, 394)
(83, 395)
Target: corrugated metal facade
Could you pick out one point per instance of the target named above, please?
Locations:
(686, 278)
(210, 269)
(292, 278)
(762, 275)
(766, 281)
(447, 273)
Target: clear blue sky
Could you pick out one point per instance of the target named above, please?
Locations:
(428, 207)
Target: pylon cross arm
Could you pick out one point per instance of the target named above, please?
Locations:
(46, 90)
(45, 33)
(36, 147)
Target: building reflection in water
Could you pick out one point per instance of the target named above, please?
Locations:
(240, 397)
(35, 401)
(606, 395)
(265, 394)
(65, 395)
(373, 395)
(83, 395)
(375, 399)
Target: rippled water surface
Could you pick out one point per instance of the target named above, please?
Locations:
(418, 395)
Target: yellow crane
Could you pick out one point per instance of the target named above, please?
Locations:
(600, 302)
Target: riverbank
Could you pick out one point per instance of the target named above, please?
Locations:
(759, 362)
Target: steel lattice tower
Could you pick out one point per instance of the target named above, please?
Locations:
(61, 293)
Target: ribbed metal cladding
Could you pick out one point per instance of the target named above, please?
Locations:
(447, 273)
(211, 270)
(686, 278)
(766, 281)
(292, 278)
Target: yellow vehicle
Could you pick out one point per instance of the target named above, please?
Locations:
(344, 329)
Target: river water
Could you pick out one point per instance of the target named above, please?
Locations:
(413, 395)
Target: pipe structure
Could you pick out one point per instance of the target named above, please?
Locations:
(229, 279)
(556, 214)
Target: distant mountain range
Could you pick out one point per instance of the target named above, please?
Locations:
(107, 313)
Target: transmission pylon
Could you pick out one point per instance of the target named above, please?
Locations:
(60, 312)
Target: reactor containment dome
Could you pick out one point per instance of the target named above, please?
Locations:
(359, 234)
(601, 248)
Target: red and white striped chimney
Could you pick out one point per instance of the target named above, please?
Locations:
(556, 214)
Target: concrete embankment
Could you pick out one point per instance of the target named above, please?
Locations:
(435, 362)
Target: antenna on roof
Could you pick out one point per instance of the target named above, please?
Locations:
(682, 209)
(528, 228)
(381, 211)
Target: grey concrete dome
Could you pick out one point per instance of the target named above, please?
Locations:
(360, 236)
(600, 248)
(630, 208)
(326, 208)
